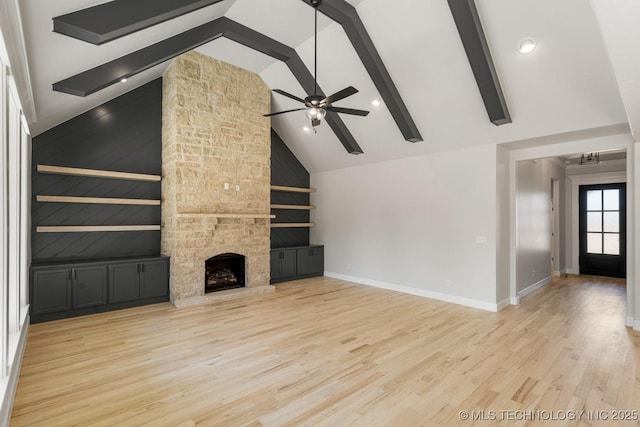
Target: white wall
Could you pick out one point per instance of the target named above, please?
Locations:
(533, 221)
(423, 225)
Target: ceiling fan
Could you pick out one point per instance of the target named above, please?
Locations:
(316, 106)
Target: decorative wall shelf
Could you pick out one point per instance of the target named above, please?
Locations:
(97, 173)
(292, 224)
(92, 228)
(98, 200)
(299, 207)
(292, 189)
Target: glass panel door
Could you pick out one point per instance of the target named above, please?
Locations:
(602, 229)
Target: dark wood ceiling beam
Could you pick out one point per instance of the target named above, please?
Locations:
(346, 15)
(465, 15)
(112, 72)
(258, 41)
(109, 21)
(109, 73)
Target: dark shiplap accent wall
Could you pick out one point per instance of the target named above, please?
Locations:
(123, 135)
(288, 171)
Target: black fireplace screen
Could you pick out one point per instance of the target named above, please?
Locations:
(225, 271)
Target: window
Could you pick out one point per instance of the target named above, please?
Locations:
(603, 222)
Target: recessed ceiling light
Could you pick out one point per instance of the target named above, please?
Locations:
(527, 45)
(124, 79)
(376, 102)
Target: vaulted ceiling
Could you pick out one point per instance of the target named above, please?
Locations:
(567, 84)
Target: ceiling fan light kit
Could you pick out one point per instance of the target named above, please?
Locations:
(316, 106)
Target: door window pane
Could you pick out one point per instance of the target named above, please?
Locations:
(594, 200)
(594, 221)
(611, 222)
(594, 243)
(612, 244)
(611, 200)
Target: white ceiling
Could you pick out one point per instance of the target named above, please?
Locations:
(567, 85)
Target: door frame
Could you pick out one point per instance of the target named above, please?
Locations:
(555, 227)
(622, 233)
(576, 182)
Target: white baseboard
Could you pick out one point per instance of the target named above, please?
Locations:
(515, 300)
(531, 288)
(504, 303)
(483, 305)
(632, 323)
(571, 271)
(557, 273)
(9, 384)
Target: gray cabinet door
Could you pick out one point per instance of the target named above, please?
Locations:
(124, 282)
(154, 279)
(275, 265)
(288, 263)
(285, 263)
(310, 260)
(89, 286)
(51, 290)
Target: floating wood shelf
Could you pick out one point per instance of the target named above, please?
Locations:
(292, 224)
(98, 200)
(300, 207)
(292, 189)
(91, 228)
(96, 173)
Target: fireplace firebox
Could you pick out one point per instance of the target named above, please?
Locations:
(224, 271)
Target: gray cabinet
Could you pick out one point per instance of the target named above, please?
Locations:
(296, 263)
(74, 289)
(65, 288)
(154, 279)
(89, 286)
(283, 264)
(124, 282)
(51, 290)
(310, 260)
(132, 281)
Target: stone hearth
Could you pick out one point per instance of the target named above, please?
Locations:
(213, 134)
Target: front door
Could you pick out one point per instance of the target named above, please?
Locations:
(603, 230)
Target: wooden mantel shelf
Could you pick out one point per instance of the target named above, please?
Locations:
(227, 215)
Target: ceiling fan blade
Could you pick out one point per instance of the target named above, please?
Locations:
(347, 91)
(288, 95)
(282, 112)
(352, 111)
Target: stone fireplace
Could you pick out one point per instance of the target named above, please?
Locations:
(216, 151)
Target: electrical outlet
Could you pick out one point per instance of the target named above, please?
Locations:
(226, 185)
(237, 187)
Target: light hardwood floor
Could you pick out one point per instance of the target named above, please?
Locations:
(328, 352)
